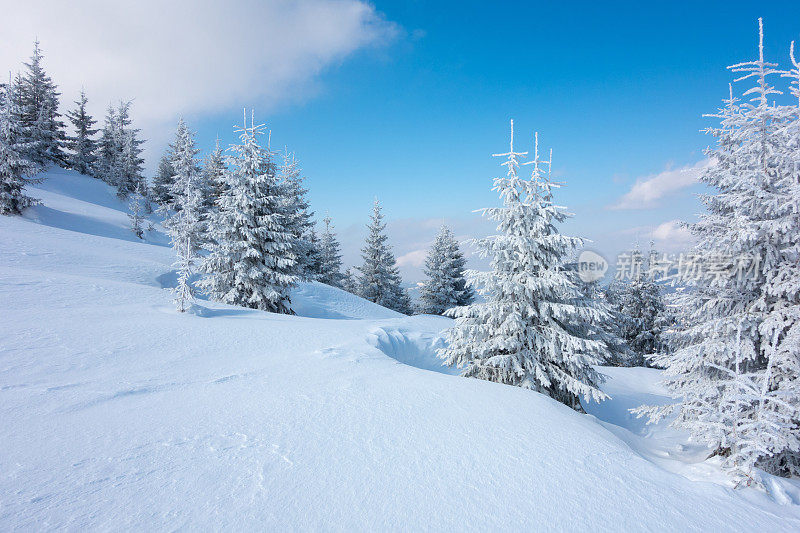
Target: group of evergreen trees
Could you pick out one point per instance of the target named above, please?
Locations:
(253, 220)
(33, 137)
(250, 216)
(249, 213)
(118, 154)
(640, 317)
(31, 132)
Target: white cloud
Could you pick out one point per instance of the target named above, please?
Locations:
(646, 192)
(414, 258)
(672, 234)
(187, 57)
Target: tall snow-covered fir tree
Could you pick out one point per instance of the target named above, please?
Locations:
(380, 280)
(299, 217)
(330, 256)
(105, 165)
(130, 153)
(251, 259)
(736, 368)
(16, 170)
(529, 329)
(41, 127)
(184, 224)
(161, 189)
(82, 146)
(445, 286)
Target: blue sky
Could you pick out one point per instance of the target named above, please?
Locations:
(411, 100)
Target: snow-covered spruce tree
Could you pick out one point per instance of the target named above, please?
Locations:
(607, 331)
(136, 213)
(445, 286)
(529, 330)
(330, 256)
(184, 223)
(642, 304)
(298, 217)
(16, 170)
(380, 280)
(161, 189)
(130, 175)
(782, 322)
(313, 257)
(350, 282)
(251, 259)
(82, 146)
(620, 353)
(214, 178)
(40, 125)
(736, 368)
(105, 165)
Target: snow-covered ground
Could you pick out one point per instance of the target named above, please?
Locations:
(116, 412)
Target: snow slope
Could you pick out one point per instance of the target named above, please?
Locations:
(116, 412)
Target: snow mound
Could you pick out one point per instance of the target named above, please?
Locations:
(120, 413)
(317, 300)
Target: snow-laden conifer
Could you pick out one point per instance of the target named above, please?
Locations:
(330, 256)
(16, 170)
(529, 330)
(105, 165)
(643, 306)
(40, 125)
(350, 281)
(445, 286)
(736, 368)
(162, 187)
(298, 217)
(251, 259)
(130, 161)
(313, 255)
(380, 280)
(185, 194)
(620, 353)
(184, 223)
(214, 178)
(82, 146)
(119, 155)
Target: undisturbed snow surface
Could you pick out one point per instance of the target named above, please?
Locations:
(116, 412)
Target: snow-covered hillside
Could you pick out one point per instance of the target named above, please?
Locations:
(116, 412)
